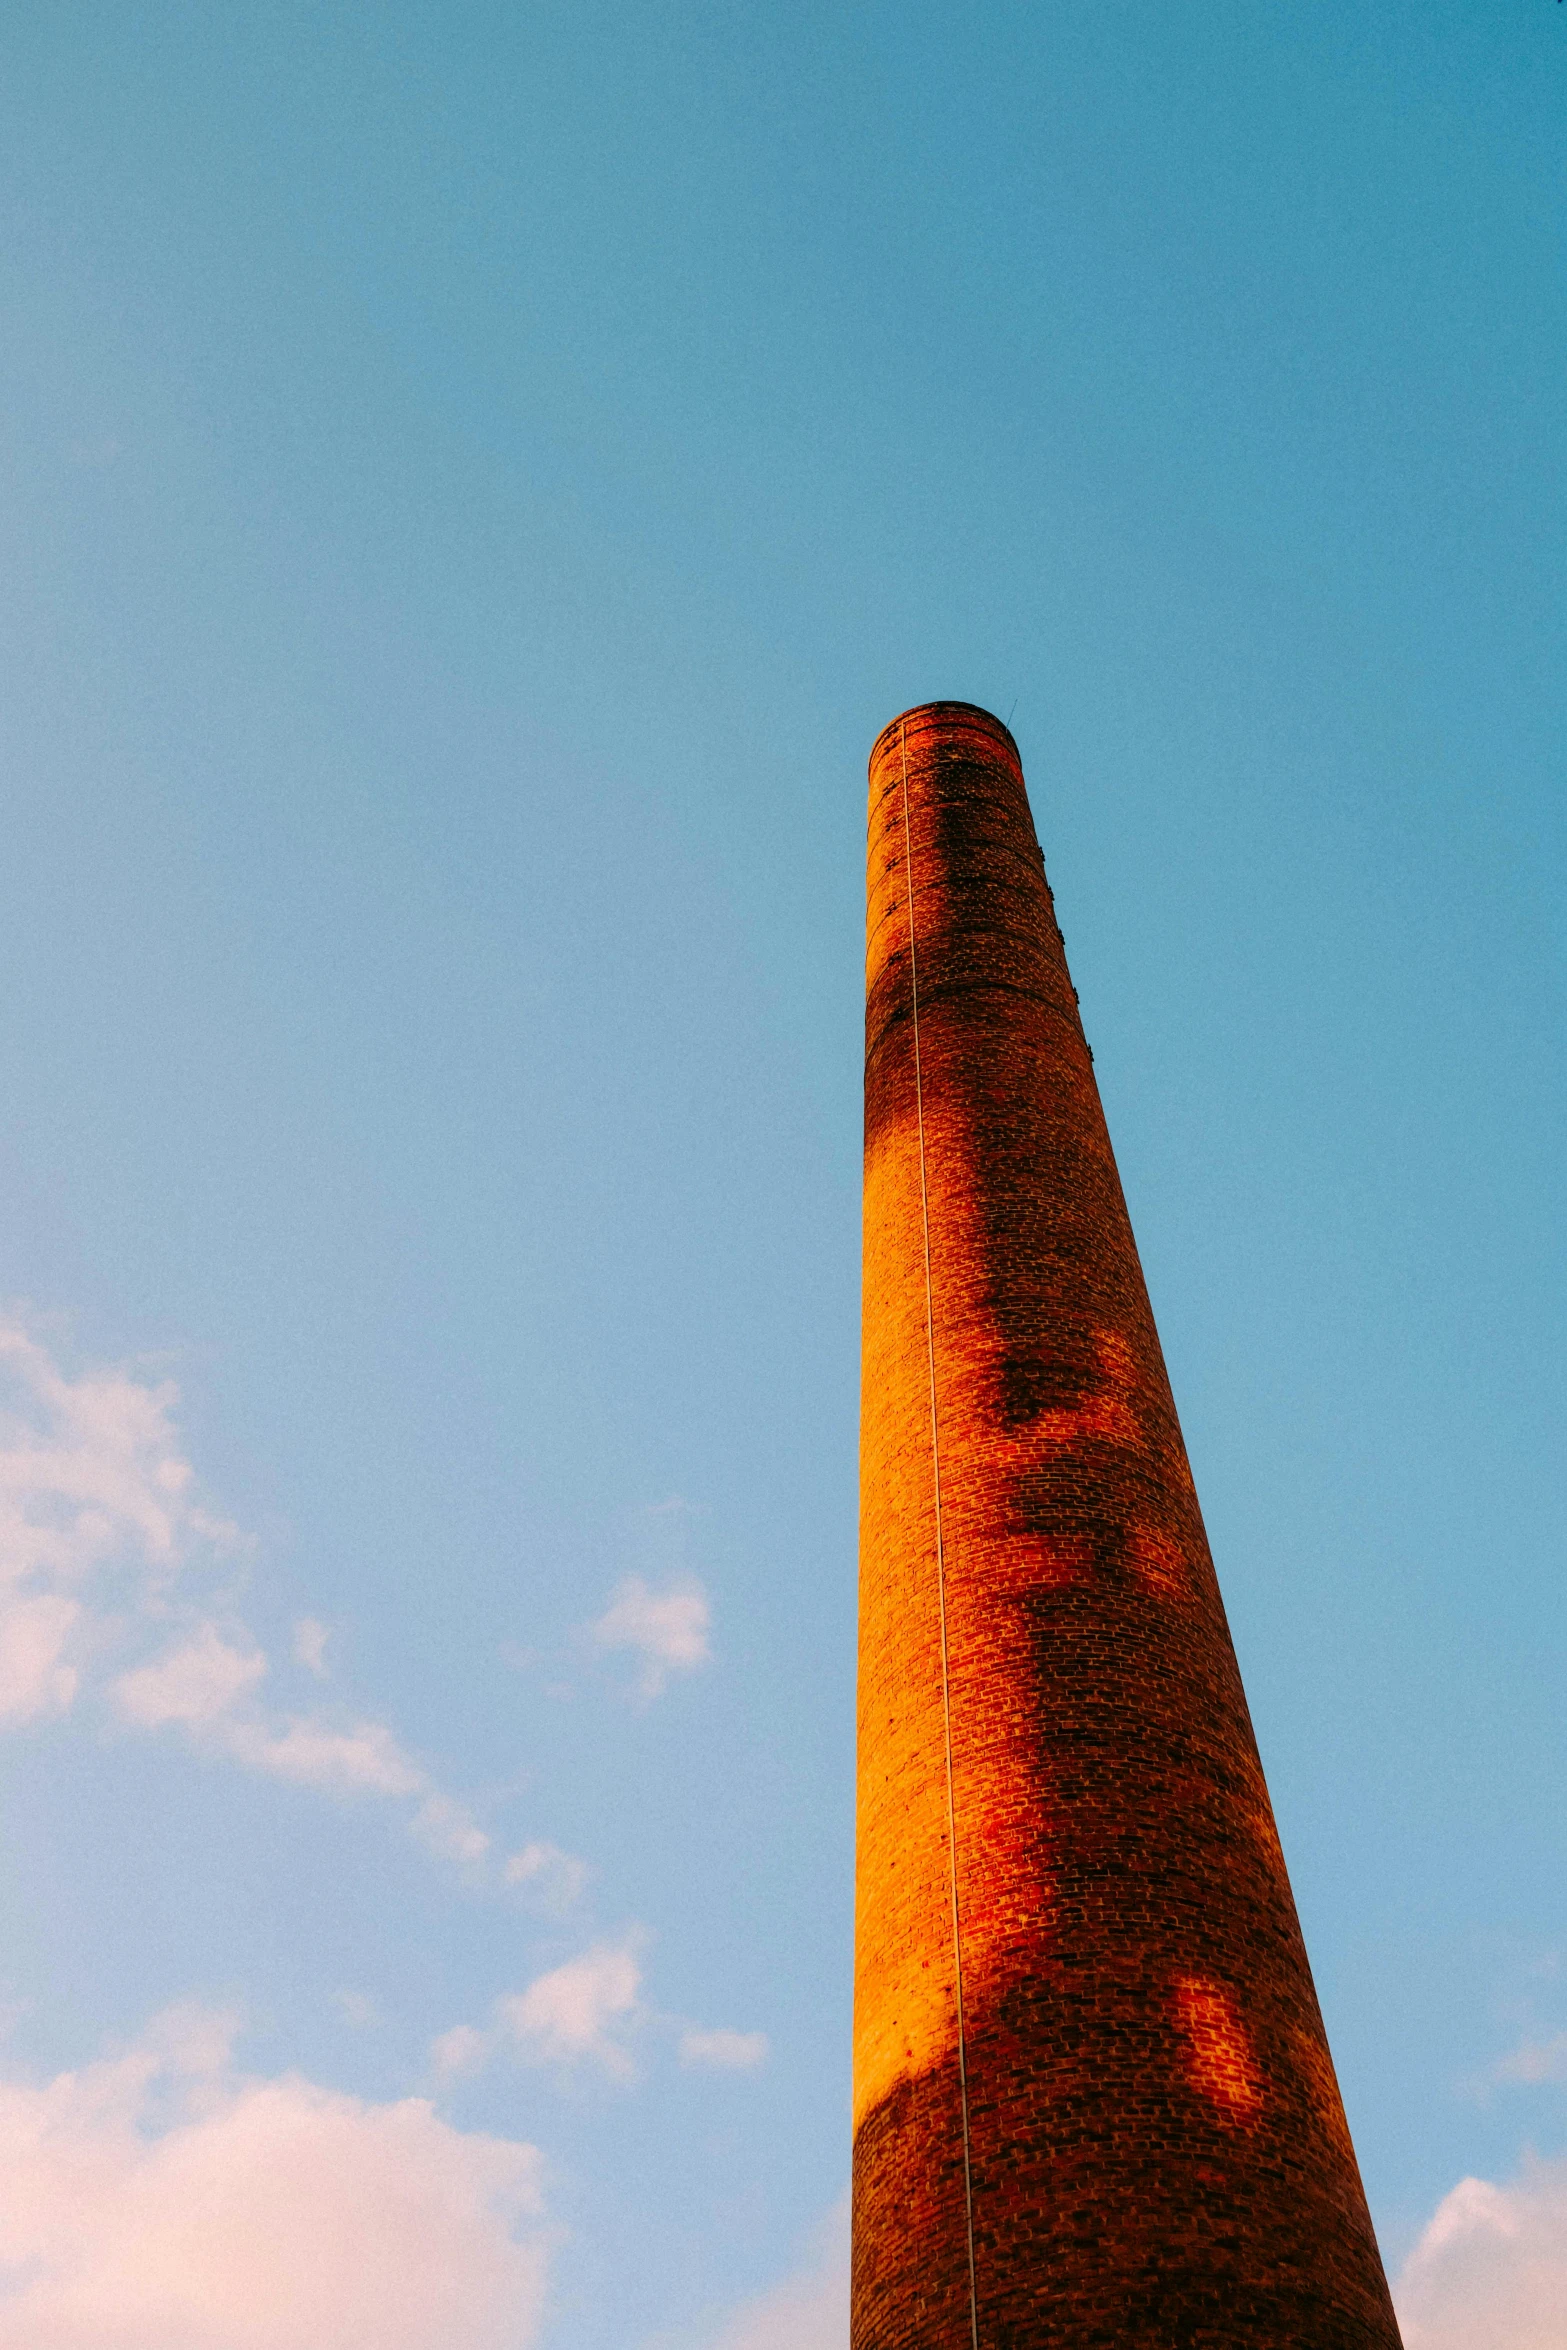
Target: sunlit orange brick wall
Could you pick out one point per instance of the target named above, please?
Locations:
(1159, 2153)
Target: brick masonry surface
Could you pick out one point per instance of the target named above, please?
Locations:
(1159, 2153)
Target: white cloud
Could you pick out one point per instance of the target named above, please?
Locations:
(310, 1639)
(101, 1540)
(1534, 2063)
(91, 1472)
(808, 2311)
(459, 2051)
(555, 1879)
(33, 1634)
(724, 2051)
(363, 1759)
(571, 2015)
(97, 1510)
(190, 2041)
(195, 1685)
(450, 1830)
(202, 1687)
(579, 2014)
(668, 1629)
(583, 2014)
(1490, 2272)
(160, 2201)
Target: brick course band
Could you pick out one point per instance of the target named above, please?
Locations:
(1160, 2159)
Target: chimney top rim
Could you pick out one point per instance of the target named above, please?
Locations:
(935, 711)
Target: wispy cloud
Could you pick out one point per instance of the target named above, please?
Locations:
(91, 1466)
(310, 1639)
(589, 2014)
(34, 1677)
(1532, 2064)
(1490, 2271)
(553, 1880)
(578, 2013)
(105, 1544)
(807, 2311)
(160, 2196)
(450, 1831)
(461, 2050)
(724, 2051)
(98, 1517)
(195, 1685)
(362, 1758)
(204, 1686)
(667, 1629)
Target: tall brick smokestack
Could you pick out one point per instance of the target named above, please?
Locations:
(1093, 2101)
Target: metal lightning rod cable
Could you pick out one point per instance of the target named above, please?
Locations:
(941, 1556)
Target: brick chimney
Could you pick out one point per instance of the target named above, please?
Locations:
(1093, 2102)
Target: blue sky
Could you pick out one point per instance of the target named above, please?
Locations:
(474, 482)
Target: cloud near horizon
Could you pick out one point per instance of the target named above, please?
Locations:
(1490, 2271)
(161, 2200)
(808, 2310)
